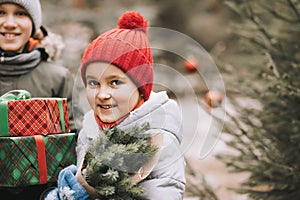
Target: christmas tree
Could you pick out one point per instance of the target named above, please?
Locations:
(111, 160)
(265, 135)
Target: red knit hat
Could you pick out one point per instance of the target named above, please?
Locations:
(127, 47)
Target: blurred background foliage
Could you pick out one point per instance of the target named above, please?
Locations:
(255, 44)
(266, 135)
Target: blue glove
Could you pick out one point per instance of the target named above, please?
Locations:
(51, 195)
(68, 186)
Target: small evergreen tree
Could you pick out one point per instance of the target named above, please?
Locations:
(111, 160)
(268, 139)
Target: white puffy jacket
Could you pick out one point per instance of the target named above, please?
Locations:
(167, 179)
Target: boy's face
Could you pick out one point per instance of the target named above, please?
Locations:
(15, 27)
(110, 92)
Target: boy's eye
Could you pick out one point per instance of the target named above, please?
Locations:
(2, 12)
(22, 13)
(93, 83)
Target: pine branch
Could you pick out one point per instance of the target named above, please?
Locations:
(294, 8)
(279, 15)
(110, 161)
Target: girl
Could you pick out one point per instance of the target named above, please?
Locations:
(117, 73)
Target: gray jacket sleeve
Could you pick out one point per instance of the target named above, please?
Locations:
(167, 180)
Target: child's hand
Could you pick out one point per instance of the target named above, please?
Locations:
(68, 186)
(50, 194)
(90, 190)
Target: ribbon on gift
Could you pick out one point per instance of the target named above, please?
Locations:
(11, 95)
(61, 114)
(41, 158)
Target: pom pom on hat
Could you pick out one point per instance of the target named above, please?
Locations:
(126, 47)
(132, 20)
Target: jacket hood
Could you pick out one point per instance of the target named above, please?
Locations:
(160, 111)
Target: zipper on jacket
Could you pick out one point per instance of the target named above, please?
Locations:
(2, 58)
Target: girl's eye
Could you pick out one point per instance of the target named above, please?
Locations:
(2, 12)
(93, 83)
(116, 82)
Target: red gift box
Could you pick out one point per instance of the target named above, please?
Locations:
(36, 116)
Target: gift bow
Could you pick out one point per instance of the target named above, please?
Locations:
(15, 95)
(11, 95)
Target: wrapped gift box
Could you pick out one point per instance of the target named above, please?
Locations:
(33, 160)
(36, 116)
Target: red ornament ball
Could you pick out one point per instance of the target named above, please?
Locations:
(191, 64)
(213, 98)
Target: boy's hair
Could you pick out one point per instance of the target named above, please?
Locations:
(126, 47)
(34, 9)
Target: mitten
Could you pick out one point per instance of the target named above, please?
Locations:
(68, 186)
(51, 194)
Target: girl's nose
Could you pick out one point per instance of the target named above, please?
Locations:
(103, 93)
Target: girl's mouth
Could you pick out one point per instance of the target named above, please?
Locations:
(106, 106)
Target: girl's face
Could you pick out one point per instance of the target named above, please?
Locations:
(15, 27)
(110, 92)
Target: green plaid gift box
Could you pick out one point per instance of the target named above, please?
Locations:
(33, 160)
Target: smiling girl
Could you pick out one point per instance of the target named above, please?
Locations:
(114, 95)
(117, 71)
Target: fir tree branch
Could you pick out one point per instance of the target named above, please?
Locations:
(271, 65)
(278, 15)
(271, 40)
(252, 39)
(110, 161)
(294, 8)
(254, 18)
